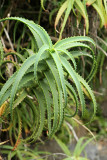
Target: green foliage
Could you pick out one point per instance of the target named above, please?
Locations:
(63, 147)
(36, 95)
(69, 5)
(22, 152)
(79, 8)
(46, 89)
(80, 146)
(25, 152)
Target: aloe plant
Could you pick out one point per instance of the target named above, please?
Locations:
(80, 146)
(101, 7)
(36, 94)
(21, 153)
(80, 7)
(69, 6)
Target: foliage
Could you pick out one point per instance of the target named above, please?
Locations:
(77, 151)
(41, 85)
(22, 152)
(25, 152)
(79, 8)
(102, 53)
(36, 95)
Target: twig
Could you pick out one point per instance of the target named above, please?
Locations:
(3, 42)
(100, 39)
(15, 45)
(54, 39)
(84, 127)
(2, 4)
(30, 97)
(73, 131)
(101, 94)
(101, 49)
(54, 154)
(7, 35)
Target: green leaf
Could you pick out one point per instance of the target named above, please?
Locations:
(70, 40)
(42, 5)
(90, 93)
(26, 65)
(100, 12)
(80, 146)
(73, 75)
(90, 2)
(7, 85)
(63, 146)
(61, 74)
(38, 32)
(38, 55)
(69, 7)
(60, 12)
(42, 108)
(54, 92)
(54, 71)
(82, 10)
(75, 97)
(69, 55)
(48, 100)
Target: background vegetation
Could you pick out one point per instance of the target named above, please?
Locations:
(48, 77)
